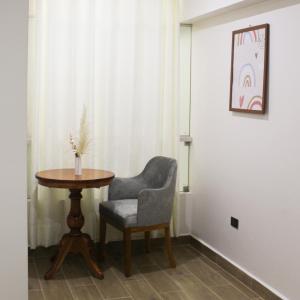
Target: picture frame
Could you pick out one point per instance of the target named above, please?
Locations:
(249, 69)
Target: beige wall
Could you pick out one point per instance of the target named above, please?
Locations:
(244, 165)
(13, 60)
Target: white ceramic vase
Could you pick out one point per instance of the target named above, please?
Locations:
(78, 168)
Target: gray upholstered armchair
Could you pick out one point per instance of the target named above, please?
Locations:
(141, 204)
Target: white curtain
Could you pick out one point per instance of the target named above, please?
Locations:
(119, 59)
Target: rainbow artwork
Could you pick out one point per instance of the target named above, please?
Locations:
(248, 37)
(248, 69)
(247, 77)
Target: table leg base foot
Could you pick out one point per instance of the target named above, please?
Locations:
(79, 244)
(99, 276)
(87, 251)
(48, 276)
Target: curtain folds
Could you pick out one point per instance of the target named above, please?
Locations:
(119, 59)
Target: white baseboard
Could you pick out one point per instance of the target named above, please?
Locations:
(241, 268)
(183, 234)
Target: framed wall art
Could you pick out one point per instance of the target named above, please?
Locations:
(249, 69)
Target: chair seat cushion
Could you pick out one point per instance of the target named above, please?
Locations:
(122, 211)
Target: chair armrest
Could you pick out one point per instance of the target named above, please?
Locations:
(155, 206)
(125, 188)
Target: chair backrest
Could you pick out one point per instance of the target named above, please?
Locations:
(155, 206)
(158, 171)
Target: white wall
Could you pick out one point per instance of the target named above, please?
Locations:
(193, 10)
(244, 165)
(13, 60)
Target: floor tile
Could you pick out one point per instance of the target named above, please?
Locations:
(184, 254)
(205, 273)
(239, 285)
(110, 286)
(58, 281)
(233, 281)
(62, 293)
(159, 279)
(86, 293)
(30, 259)
(43, 252)
(183, 280)
(33, 278)
(35, 295)
(177, 295)
(199, 292)
(159, 257)
(144, 259)
(229, 293)
(118, 269)
(76, 273)
(196, 277)
(264, 292)
(193, 287)
(179, 270)
(233, 270)
(140, 289)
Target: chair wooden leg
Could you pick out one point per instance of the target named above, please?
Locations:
(168, 247)
(102, 238)
(147, 241)
(127, 251)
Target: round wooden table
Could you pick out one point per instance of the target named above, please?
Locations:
(75, 241)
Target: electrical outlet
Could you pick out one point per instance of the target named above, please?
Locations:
(234, 222)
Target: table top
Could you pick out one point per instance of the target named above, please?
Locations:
(66, 178)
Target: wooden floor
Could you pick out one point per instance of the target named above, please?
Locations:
(196, 277)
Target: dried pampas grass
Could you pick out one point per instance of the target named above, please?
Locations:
(83, 143)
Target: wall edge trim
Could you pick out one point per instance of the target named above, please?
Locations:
(256, 284)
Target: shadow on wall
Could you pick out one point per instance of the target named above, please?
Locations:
(251, 116)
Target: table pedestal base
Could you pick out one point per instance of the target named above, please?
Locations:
(78, 245)
(75, 241)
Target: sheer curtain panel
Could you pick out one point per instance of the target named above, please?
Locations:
(119, 59)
